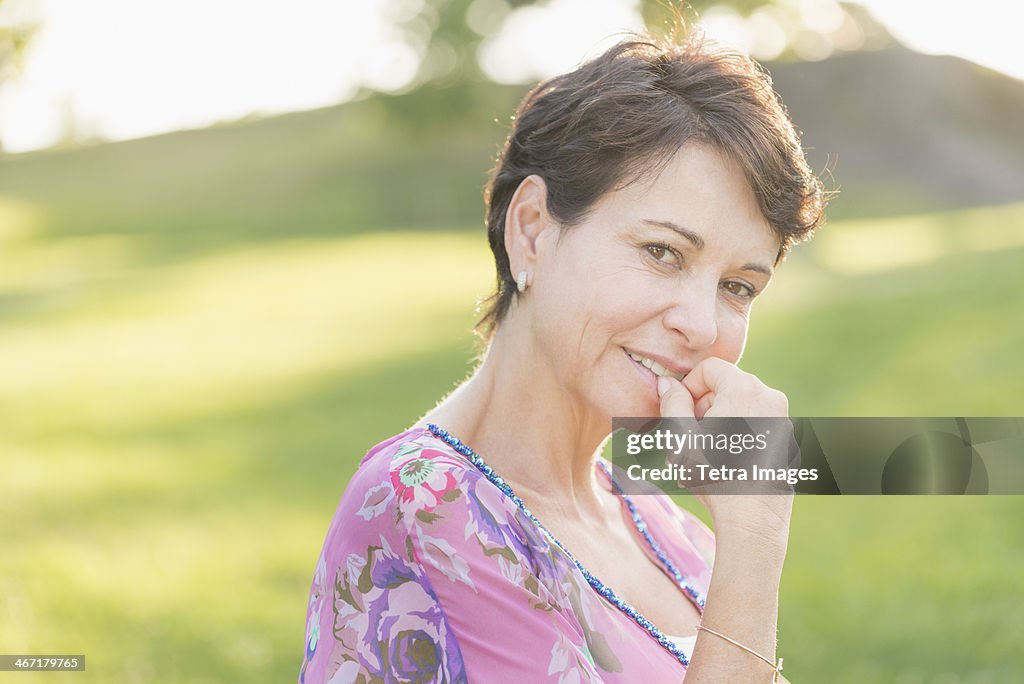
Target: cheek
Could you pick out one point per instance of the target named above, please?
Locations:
(587, 298)
(732, 337)
(565, 324)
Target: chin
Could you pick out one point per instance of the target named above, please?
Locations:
(633, 405)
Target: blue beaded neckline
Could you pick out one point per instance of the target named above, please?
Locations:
(600, 587)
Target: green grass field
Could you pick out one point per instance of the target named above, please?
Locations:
(176, 427)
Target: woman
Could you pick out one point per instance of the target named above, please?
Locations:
(638, 207)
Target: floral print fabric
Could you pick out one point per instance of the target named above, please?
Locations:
(429, 573)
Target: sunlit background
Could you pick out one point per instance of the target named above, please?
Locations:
(241, 242)
(117, 69)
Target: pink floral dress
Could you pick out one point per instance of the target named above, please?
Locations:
(431, 573)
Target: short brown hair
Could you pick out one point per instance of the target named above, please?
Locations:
(626, 113)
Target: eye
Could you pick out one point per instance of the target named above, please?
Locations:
(739, 289)
(662, 253)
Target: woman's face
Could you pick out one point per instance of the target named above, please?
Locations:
(663, 271)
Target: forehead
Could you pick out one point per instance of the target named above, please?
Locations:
(700, 188)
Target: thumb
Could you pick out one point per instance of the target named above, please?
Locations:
(676, 400)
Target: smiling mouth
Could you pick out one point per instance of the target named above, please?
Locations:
(654, 366)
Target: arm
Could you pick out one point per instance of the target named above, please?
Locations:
(752, 533)
(373, 615)
(742, 602)
(428, 574)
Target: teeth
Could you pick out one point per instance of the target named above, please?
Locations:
(655, 367)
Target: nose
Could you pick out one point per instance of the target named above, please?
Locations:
(694, 314)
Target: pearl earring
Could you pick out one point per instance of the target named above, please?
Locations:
(521, 281)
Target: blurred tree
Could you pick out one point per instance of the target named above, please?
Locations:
(448, 36)
(784, 29)
(15, 37)
(448, 33)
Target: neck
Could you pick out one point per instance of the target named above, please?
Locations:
(517, 416)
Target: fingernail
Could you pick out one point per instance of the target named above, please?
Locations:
(662, 385)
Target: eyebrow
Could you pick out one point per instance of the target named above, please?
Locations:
(696, 239)
(698, 242)
(757, 268)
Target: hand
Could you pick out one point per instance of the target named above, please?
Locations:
(713, 388)
(719, 388)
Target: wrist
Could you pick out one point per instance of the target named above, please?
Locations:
(762, 520)
(767, 542)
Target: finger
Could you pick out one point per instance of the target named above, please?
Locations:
(676, 401)
(703, 405)
(708, 376)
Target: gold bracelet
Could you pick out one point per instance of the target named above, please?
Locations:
(776, 667)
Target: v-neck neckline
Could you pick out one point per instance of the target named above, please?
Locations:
(627, 506)
(603, 590)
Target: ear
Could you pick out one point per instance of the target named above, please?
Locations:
(526, 220)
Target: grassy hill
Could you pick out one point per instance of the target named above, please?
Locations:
(361, 166)
(903, 131)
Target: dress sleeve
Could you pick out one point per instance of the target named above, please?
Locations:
(429, 574)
